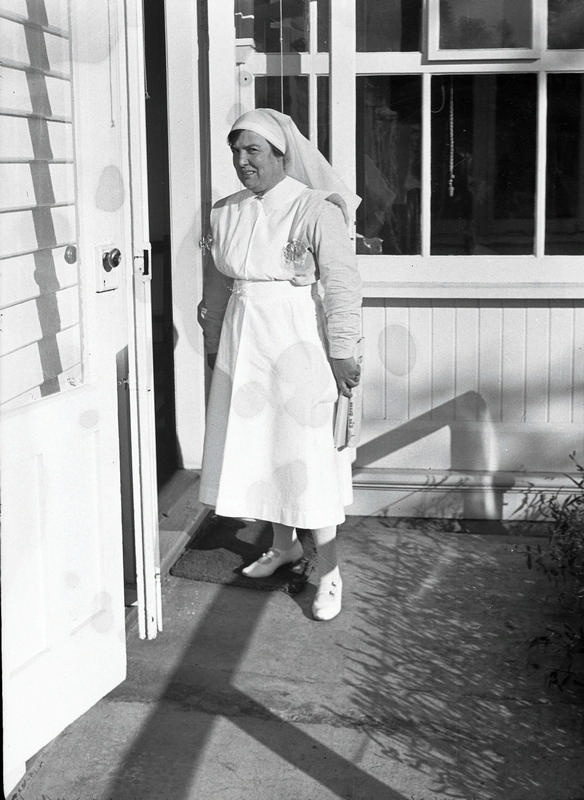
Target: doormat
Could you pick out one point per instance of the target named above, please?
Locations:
(223, 546)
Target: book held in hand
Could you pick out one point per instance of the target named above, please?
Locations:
(349, 411)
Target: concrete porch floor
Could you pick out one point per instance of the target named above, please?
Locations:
(421, 690)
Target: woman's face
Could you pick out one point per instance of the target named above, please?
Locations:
(256, 165)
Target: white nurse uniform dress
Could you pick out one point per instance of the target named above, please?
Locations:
(269, 451)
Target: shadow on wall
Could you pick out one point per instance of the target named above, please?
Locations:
(472, 448)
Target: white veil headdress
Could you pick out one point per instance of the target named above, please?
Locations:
(302, 160)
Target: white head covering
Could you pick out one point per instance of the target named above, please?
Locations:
(302, 160)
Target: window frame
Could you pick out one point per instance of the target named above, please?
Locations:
(436, 53)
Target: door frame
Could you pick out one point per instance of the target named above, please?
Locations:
(140, 384)
(186, 162)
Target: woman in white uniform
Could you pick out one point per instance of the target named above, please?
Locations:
(279, 352)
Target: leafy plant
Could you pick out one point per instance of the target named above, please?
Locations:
(562, 561)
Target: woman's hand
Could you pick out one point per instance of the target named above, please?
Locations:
(347, 374)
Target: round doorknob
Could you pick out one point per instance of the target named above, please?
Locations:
(111, 259)
(70, 254)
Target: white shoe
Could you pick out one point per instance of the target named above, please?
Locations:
(327, 603)
(272, 560)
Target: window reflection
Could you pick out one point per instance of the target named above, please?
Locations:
(268, 94)
(388, 164)
(468, 24)
(260, 20)
(565, 166)
(483, 164)
(322, 83)
(565, 24)
(323, 16)
(388, 25)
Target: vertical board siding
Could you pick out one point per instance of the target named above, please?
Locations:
(519, 362)
(578, 368)
(40, 347)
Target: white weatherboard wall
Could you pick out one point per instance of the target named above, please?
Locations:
(468, 393)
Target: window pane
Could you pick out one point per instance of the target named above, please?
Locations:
(260, 20)
(322, 83)
(565, 24)
(565, 166)
(268, 94)
(323, 24)
(389, 25)
(483, 164)
(388, 164)
(468, 24)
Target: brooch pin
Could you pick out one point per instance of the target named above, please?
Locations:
(294, 254)
(206, 242)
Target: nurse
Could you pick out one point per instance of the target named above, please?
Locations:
(281, 318)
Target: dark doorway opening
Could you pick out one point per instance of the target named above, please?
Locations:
(159, 218)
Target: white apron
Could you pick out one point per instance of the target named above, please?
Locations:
(269, 451)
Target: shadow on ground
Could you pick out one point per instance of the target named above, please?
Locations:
(420, 690)
(440, 669)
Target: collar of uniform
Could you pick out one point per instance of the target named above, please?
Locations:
(287, 189)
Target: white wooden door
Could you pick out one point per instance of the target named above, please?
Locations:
(64, 145)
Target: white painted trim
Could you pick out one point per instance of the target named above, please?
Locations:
(185, 224)
(462, 480)
(140, 353)
(223, 94)
(541, 163)
(392, 63)
(343, 113)
(312, 77)
(453, 494)
(292, 63)
(473, 276)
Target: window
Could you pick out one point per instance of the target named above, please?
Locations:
(481, 157)
(388, 164)
(483, 164)
(565, 166)
(490, 29)
(389, 25)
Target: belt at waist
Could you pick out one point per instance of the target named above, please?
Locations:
(270, 289)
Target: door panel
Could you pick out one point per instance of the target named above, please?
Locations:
(62, 597)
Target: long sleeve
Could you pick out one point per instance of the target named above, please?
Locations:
(340, 280)
(213, 305)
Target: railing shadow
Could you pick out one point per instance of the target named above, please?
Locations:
(200, 695)
(473, 449)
